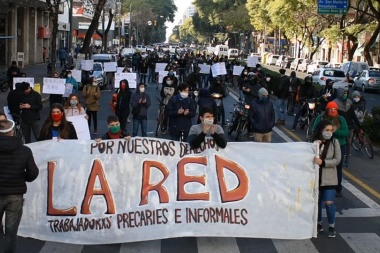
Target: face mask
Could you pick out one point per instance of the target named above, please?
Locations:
(68, 75)
(142, 90)
(114, 129)
(264, 99)
(171, 74)
(245, 73)
(184, 94)
(169, 82)
(73, 103)
(268, 79)
(208, 121)
(258, 69)
(344, 97)
(56, 117)
(94, 84)
(333, 113)
(327, 135)
(356, 100)
(122, 86)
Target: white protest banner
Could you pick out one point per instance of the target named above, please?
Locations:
(252, 61)
(68, 90)
(140, 189)
(77, 74)
(131, 77)
(110, 66)
(81, 127)
(205, 68)
(219, 68)
(54, 85)
(160, 67)
(7, 113)
(161, 75)
(237, 70)
(29, 80)
(87, 65)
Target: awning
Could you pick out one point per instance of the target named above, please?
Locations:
(94, 36)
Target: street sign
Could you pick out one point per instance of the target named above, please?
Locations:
(332, 6)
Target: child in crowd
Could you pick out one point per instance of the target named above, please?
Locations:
(114, 130)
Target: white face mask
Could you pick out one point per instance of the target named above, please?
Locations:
(268, 79)
(169, 82)
(184, 94)
(94, 84)
(245, 72)
(327, 135)
(208, 121)
(356, 100)
(68, 75)
(142, 90)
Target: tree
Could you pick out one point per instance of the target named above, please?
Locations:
(374, 5)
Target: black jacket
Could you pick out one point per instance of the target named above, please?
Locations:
(35, 102)
(180, 122)
(282, 90)
(262, 116)
(17, 166)
(49, 136)
(14, 99)
(123, 99)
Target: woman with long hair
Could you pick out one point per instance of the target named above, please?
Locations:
(122, 103)
(328, 159)
(73, 107)
(56, 126)
(91, 92)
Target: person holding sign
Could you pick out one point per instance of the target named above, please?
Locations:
(70, 79)
(91, 92)
(122, 103)
(56, 126)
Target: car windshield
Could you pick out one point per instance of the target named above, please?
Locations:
(374, 73)
(97, 67)
(333, 73)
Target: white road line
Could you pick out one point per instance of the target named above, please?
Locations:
(217, 245)
(360, 195)
(282, 134)
(291, 246)
(57, 247)
(362, 242)
(141, 247)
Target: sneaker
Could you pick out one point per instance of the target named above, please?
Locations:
(293, 130)
(128, 120)
(332, 232)
(319, 228)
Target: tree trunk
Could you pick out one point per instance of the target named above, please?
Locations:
(369, 44)
(316, 48)
(329, 53)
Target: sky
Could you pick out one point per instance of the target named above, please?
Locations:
(181, 7)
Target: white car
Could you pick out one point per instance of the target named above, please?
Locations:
(314, 65)
(322, 74)
(294, 64)
(272, 59)
(280, 60)
(303, 65)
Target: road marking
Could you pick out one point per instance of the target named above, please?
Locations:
(57, 247)
(291, 246)
(362, 242)
(282, 134)
(362, 184)
(217, 245)
(141, 247)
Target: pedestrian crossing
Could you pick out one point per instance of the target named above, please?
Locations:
(344, 242)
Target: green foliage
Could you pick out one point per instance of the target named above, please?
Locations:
(371, 124)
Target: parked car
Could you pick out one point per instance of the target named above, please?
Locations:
(333, 65)
(314, 65)
(97, 72)
(373, 68)
(103, 58)
(285, 64)
(272, 59)
(258, 56)
(294, 64)
(353, 68)
(322, 74)
(279, 60)
(367, 80)
(303, 65)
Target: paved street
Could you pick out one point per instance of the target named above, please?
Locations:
(358, 211)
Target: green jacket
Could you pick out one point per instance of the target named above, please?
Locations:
(341, 133)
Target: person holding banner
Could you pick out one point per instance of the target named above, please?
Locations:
(17, 168)
(56, 126)
(328, 159)
(114, 130)
(73, 107)
(122, 103)
(140, 103)
(91, 92)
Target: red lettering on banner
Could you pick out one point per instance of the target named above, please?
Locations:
(184, 179)
(97, 172)
(241, 190)
(51, 210)
(159, 188)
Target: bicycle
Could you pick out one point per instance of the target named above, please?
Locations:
(359, 140)
(160, 117)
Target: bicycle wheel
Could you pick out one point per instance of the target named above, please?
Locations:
(367, 145)
(355, 142)
(160, 121)
(309, 130)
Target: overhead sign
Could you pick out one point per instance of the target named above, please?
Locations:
(332, 6)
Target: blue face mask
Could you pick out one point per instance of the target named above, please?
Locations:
(264, 99)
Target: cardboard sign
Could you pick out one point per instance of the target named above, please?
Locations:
(77, 74)
(81, 126)
(87, 65)
(219, 68)
(252, 61)
(160, 67)
(205, 68)
(110, 66)
(131, 77)
(29, 80)
(54, 86)
(238, 70)
(68, 90)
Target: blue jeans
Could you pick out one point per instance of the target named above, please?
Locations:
(327, 195)
(280, 108)
(339, 168)
(11, 205)
(298, 110)
(142, 123)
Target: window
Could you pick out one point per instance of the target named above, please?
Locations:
(338, 73)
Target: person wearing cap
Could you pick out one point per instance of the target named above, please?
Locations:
(340, 132)
(17, 168)
(282, 93)
(140, 103)
(262, 116)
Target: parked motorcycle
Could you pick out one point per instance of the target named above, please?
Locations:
(239, 121)
(4, 86)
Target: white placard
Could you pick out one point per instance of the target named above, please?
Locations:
(252, 61)
(77, 75)
(29, 80)
(160, 67)
(169, 190)
(120, 69)
(238, 70)
(81, 126)
(110, 66)
(161, 75)
(205, 68)
(131, 77)
(53, 86)
(87, 65)
(7, 113)
(219, 68)
(68, 90)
